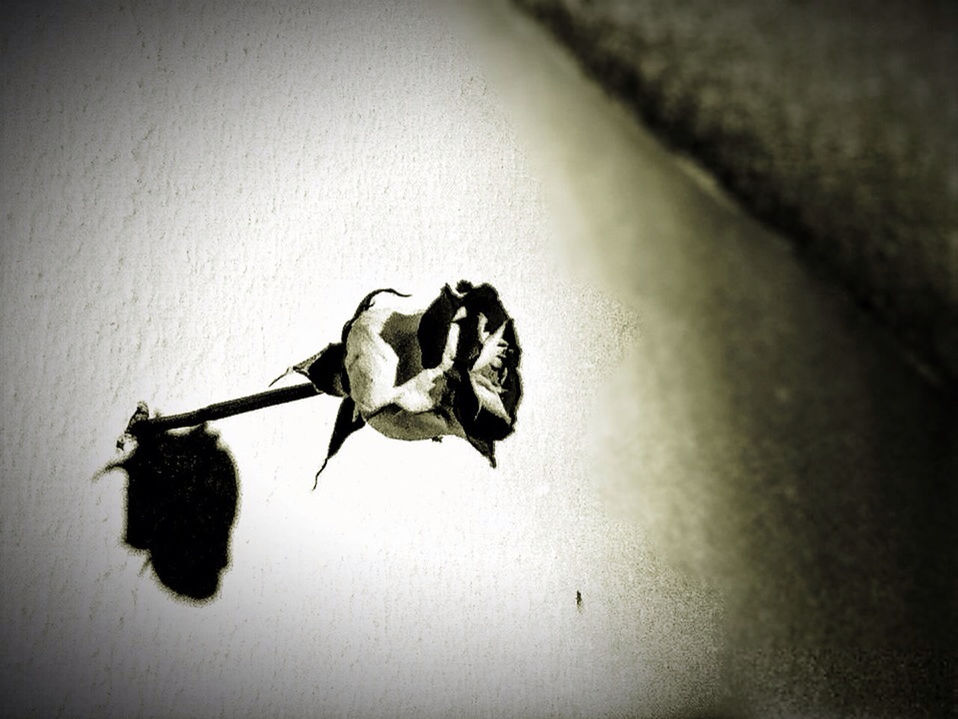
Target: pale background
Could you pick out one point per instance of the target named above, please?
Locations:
(193, 199)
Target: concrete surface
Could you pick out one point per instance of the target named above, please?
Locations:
(748, 488)
(837, 123)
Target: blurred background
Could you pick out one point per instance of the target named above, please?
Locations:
(836, 123)
(730, 490)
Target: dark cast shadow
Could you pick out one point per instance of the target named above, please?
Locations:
(181, 498)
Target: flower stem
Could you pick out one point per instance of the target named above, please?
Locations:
(141, 422)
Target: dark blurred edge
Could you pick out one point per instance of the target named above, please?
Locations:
(884, 266)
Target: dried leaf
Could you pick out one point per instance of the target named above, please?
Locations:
(347, 422)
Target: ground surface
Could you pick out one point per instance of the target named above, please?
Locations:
(729, 465)
(835, 122)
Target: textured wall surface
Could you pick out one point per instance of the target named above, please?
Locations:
(727, 462)
(195, 198)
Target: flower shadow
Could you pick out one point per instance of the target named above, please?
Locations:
(181, 498)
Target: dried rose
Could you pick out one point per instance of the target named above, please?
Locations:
(412, 373)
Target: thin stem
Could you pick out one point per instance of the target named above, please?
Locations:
(141, 423)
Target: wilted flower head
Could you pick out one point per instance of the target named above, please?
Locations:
(451, 368)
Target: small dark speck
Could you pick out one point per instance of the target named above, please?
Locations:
(578, 600)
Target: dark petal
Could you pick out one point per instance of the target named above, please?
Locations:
(434, 327)
(480, 424)
(485, 299)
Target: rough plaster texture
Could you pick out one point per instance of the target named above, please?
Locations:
(195, 198)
